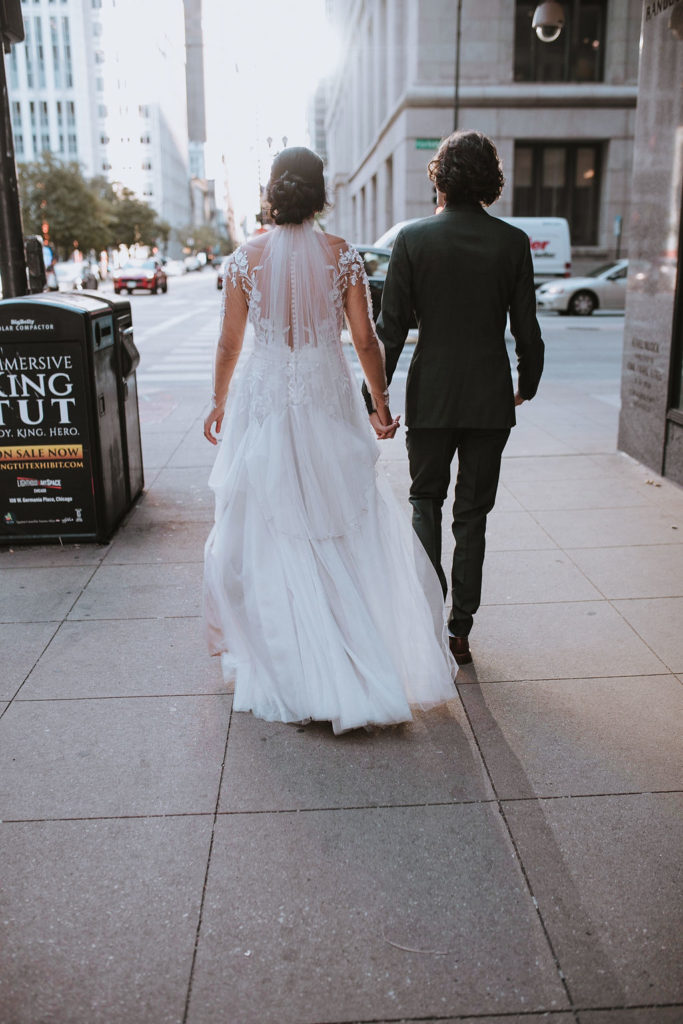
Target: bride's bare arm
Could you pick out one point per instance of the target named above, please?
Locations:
(235, 310)
(369, 348)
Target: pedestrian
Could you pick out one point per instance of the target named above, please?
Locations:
(461, 273)
(316, 596)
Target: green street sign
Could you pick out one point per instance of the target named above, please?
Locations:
(427, 143)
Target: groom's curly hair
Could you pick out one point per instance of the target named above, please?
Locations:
(466, 169)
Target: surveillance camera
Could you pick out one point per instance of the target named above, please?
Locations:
(548, 21)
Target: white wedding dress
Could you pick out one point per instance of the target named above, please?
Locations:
(317, 593)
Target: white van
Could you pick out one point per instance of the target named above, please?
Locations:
(550, 245)
(548, 237)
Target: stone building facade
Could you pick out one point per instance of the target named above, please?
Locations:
(561, 114)
(651, 420)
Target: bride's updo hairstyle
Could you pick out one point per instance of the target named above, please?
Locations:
(296, 189)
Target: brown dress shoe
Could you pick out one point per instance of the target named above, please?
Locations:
(460, 649)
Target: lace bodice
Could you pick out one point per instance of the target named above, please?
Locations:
(284, 303)
(344, 267)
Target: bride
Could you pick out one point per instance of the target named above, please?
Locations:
(317, 593)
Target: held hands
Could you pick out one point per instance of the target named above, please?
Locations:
(214, 419)
(384, 425)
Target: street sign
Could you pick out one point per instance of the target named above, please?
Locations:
(427, 143)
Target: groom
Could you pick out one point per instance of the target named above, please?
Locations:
(461, 273)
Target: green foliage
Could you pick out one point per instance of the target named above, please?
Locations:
(202, 237)
(132, 220)
(82, 213)
(58, 193)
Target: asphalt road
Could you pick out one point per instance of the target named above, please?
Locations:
(176, 334)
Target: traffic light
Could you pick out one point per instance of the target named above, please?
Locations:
(11, 22)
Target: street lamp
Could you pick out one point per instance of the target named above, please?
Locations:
(548, 21)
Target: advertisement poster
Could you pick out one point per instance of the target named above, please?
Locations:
(45, 466)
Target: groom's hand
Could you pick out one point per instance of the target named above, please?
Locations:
(518, 398)
(383, 432)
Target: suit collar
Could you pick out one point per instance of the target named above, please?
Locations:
(465, 207)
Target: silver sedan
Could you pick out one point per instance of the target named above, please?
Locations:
(602, 288)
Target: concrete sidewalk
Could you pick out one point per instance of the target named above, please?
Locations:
(514, 857)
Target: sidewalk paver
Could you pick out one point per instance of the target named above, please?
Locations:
(442, 882)
(606, 873)
(508, 859)
(80, 758)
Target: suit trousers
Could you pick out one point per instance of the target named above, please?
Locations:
(430, 453)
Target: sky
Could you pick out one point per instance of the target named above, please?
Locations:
(262, 62)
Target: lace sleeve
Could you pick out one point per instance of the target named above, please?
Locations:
(351, 267)
(236, 276)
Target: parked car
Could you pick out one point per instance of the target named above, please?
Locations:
(602, 288)
(376, 262)
(386, 241)
(147, 275)
(548, 239)
(71, 276)
(175, 268)
(192, 263)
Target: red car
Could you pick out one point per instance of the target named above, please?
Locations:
(147, 275)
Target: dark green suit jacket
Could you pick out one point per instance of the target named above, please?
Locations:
(460, 272)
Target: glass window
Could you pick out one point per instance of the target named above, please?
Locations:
(56, 52)
(66, 37)
(575, 56)
(28, 52)
(17, 129)
(40, 53)
(13, 69)
(559, 180)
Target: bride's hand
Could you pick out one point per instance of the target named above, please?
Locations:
(384, 430)
(214, 419)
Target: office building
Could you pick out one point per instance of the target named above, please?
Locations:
(561, 113)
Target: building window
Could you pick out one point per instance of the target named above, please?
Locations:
(13, 69)
(40, 52)
(99, 56)
(145, 140)
(28, 52)
(101, 110)
(44, 127)
(73, 144)
(17, 129)
(146, 165)
(66, 37)
(99, 84)
(576, 56)
(96, 4)
(559, 180)
(104, 140)
(56, 52)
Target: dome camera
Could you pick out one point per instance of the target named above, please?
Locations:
(548, 21)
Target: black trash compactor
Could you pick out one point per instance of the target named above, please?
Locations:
(70, 448)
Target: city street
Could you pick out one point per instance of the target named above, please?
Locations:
(513, 857)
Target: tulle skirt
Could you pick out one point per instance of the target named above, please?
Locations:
(317, 593)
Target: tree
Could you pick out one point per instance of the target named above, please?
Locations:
(203, 237)
(82, 213)
(57, 194)
(133, 222)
